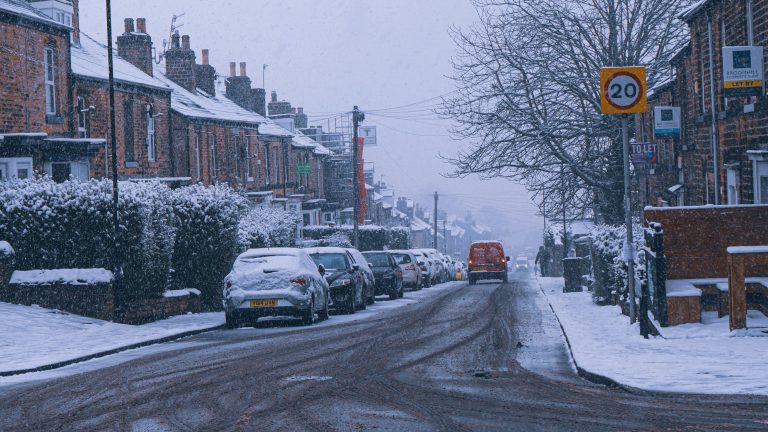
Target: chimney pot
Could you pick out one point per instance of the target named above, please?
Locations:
(185, 42)
(301, 110)
(129, 25)
(141, 25)
(242, 69)
(293, 110)
(205, 56)
(232, 69)
(175, 40)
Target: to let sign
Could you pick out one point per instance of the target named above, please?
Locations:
(623, 90)
(643, 153)
(743, 71)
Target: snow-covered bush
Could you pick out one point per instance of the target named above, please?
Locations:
(207, 221)
(69, 225)
(371, 237)
(268, 227)
(610, 270)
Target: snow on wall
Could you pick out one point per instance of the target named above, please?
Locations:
(62, 276)
(5, 248)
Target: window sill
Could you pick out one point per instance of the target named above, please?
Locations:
(54, 119)
(131, 164)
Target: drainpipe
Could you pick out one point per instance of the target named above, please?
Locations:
(713, 132)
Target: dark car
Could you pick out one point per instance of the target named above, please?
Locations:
(389, 276)
(346, 279)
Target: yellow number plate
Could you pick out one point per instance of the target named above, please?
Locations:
(263, 303)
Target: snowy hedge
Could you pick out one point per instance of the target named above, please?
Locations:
(268, 227)
(69, 225)
(207, 221)
(372, 237)
(609, 269)
(197, 231)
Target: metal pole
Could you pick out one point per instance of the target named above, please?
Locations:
(355, 179)
(445, 239)
(434, 240)
(629, 249)
(116, 265)
(713, 109)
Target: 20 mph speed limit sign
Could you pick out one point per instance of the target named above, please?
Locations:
(622, 90)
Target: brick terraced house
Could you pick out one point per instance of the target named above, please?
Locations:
(728, 133)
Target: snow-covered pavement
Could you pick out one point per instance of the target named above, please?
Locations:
(32, 336)
(690, 359)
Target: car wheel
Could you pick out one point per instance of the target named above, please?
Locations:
(308, 317)
(393, 291)
(324, 314)
(471, 280)
(400, 292)
(230, 321)
(350, 306)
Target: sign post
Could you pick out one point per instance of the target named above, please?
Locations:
(623, 92)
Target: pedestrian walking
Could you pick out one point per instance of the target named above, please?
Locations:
(542, 259)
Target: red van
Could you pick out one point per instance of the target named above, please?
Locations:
(487, 261)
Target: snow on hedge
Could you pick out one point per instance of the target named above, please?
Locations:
(267, 227)
(5, 248)
(62, 276)
(608, 245)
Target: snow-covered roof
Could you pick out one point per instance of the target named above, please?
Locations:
(302, 141)
(693, 9)
(204, 106)
(26, 10)
(269, 127)
(90, 60)
(660, 86)
(398, 213)
(418, 225)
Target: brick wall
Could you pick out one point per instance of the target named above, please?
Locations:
(696, 239)
(136, 98)
(22, 87)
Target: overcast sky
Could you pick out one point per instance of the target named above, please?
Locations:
(328, 55)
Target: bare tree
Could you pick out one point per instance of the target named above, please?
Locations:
(527, 78)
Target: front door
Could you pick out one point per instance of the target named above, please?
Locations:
(60, 171)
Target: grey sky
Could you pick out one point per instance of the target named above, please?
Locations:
(328, 55)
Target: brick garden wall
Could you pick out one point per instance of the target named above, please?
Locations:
(696, 239)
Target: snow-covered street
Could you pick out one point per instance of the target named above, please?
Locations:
(36, 337)
(691, 358)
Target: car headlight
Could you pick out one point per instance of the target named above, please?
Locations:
(341, 282)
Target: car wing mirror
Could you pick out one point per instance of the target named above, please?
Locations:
(354, 268)
(321, 269)
(507, 258)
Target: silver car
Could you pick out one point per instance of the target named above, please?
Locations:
(274, 282)
(409, 265)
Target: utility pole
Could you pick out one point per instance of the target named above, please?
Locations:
(263, 76)
(435, 223)
(357, 117)
(445, 239)
(629, 247)
(116, 261)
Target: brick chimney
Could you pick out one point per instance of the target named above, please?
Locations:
(180, 63)
(205, 75)
(76, 22)
(238, 88)
(277, 108)
(301, 121)
(135, 45)
(259, 96)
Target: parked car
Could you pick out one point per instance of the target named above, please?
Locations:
(521, 263)
(370, 278)
(345, 278)
(437, 271)
(274, 282)
(409, 265)
(487, 261)
(426, 268)
(389, 277)
(458, 271)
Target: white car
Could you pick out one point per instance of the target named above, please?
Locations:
(408, 263)
(521, 263)
(274, 282)
(426, 266)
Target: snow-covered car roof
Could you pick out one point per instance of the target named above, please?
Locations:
(326, 250)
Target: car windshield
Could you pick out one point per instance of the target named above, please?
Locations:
(378, 260)
(402, 258)
(277, 262)
(332, 261)
(522, 260)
